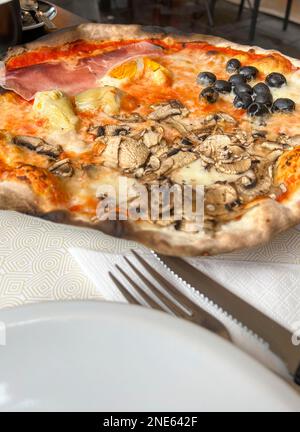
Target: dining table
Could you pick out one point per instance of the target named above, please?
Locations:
(41, 261)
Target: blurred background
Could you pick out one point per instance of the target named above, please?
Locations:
(273, 24)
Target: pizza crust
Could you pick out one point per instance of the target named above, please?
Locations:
(258, 225)
(92, 31)
(18, 197)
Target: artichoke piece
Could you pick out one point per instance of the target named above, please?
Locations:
(156, 72)
(106, 98)
(57, 108)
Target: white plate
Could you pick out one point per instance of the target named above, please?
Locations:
(112, 357)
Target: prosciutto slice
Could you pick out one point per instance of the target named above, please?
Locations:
(104, 62)
(71, 79)
(49, 76)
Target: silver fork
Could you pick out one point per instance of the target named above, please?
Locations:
(175, 301)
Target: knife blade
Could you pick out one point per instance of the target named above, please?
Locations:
(279, 339)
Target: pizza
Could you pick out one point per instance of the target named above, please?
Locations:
(88, 110)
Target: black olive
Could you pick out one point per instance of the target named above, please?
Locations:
(242, 101)
(261, 88)
(210, 94)
(264, 98)
(237, 79)
(276, 79)
(222, 86)
(249, 72)
(257, 110)
(206, 78)
(283, 105)
(243, 88)
(233, 65)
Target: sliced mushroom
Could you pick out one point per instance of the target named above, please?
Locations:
(154, 163)
(166, 109)
(62, 168)
(241, 137)
(218, 117)
(151, 176)
(139, 172)
(267, 150)
(232, 154)
(132, 154)
(259, 134)
(179, 123)
(164, 112)
(115, 130)
(153, 136)
(174, 103)
(236, 167)
(130, 118)
(205, 132)
(248, 180)
(182, 159)
(161, 149)
(260, 182)
(38, 145)
(109, 130)
(294, 141)
(219, 199)
(214, 145)
(166, 166)
(111, 152)
(226, 118)
(96, 131)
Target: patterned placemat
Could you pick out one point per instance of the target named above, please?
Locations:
(35, 263)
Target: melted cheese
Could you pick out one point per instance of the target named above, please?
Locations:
(70, 141)
(291, 90)
(195, 174)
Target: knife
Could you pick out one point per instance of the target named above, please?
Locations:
(280, 340)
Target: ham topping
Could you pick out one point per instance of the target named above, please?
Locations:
(71, 79)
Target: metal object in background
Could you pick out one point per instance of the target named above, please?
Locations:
(40, 14)
(10, 24)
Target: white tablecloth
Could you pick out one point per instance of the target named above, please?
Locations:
(41, 261)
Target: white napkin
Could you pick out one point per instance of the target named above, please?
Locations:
(266, 276)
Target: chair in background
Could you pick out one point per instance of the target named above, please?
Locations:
(109, 6)
(287, 14)
(210, 10)
(255, 10)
